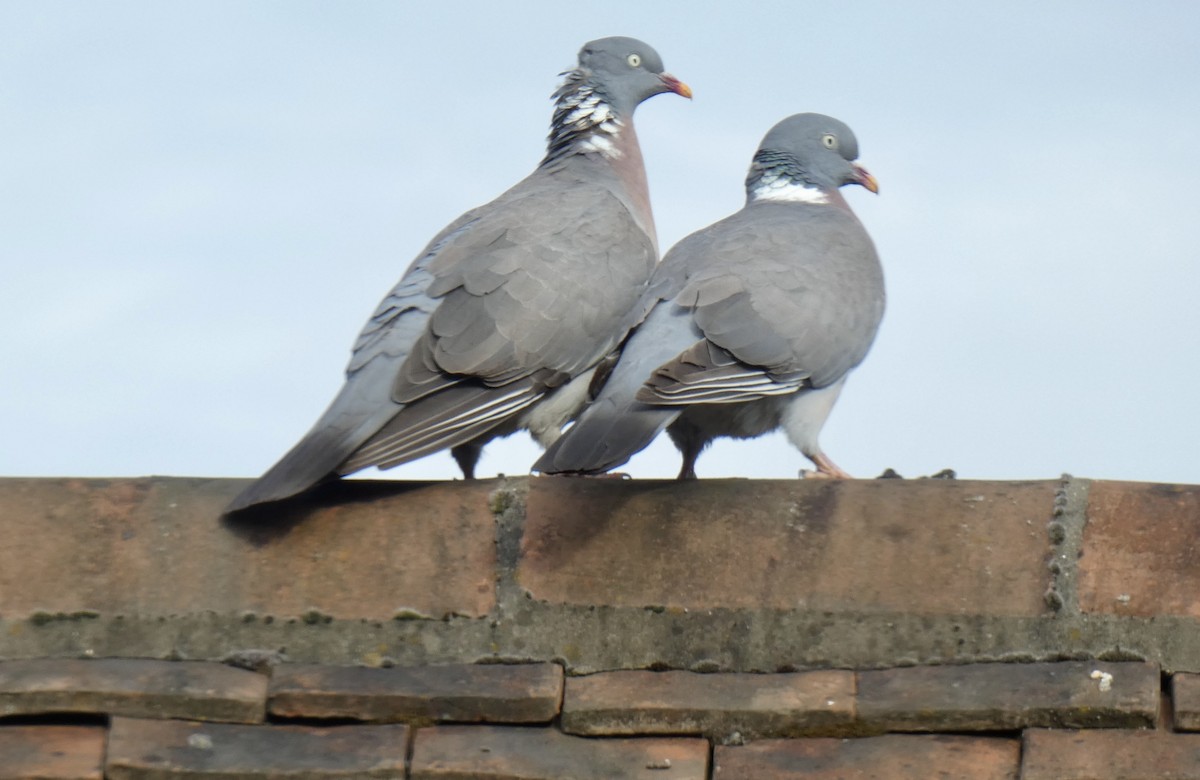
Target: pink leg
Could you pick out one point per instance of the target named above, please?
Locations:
(826, 469)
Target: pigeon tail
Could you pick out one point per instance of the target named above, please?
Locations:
(359, 410)
(617, 426)
(605, 437)
(312, 461)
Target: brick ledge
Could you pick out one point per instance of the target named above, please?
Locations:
(721, 629)
(730, 575)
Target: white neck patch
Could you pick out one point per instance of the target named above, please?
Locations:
(775, 188)
(593, 122)
(599, 142)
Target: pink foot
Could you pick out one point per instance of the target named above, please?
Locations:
(826, 469)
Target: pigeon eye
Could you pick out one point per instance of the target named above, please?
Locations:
(634, 60)
(829, 140)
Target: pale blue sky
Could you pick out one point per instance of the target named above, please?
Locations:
(203, 202)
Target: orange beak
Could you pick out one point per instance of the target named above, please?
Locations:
(676, 86)
(864, 177)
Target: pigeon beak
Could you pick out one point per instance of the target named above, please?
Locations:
(863, 176)
(675, 85)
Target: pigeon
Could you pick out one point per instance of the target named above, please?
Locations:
(752, 323)
(501, 321)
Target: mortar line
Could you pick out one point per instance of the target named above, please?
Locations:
(508, 504)
(1065, 531)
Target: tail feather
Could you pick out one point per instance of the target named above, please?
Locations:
(312, 461)
(357, 413)
(617, 426)
(453, 416)
(605, 437)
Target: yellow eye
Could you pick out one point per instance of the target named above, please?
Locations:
(634, 60)
(829, 140)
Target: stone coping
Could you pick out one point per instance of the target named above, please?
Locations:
(728, 575)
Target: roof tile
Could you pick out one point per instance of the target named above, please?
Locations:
(512, 753)
(894, 756)
(988, 697)
(133, 687)
(463, 693)
(751, 705)
(1110, 755)
(172, 748)
(52, 752)
(1185, 697)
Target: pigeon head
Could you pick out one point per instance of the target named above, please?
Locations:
(626, 71)
(597, 98)
(805, 157)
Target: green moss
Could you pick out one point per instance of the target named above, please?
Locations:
(500, 501)
(41, 617)
(315, 617)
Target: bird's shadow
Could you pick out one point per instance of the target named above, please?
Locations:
(263, 524)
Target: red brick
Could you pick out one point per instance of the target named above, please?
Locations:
(51, 752)
(157, 547)
(481, 752)
(132, 687)
(1110, 755)
(153, 749)
(917, 547)
(1139, 551)
(983, 697)
(752, 705)
(890, 757)
(1185, 696)
(492, 693)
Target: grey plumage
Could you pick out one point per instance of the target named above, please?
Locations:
(498, 323)
(754, 322)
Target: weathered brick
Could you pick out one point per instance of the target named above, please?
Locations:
(51, 752)
(1139, 552)
(982, 697)
(753, 705)
(917, 547)
(1185, 698)
(893, 756)
(158, 547)
(508, 753)
(463, 693)
(159, 749)
(195, 690)
(1110, 755)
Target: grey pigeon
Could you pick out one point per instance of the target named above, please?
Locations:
(500, 322)
(754, 322)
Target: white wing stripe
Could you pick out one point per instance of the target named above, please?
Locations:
(494, 410)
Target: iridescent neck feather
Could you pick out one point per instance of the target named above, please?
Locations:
(777, 176)
(584, 121)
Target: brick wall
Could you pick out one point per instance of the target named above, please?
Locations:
(552, 627)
